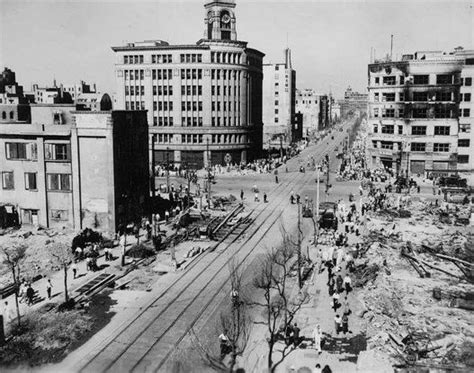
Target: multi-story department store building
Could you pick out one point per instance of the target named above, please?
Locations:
(204, 100)
(420, 113)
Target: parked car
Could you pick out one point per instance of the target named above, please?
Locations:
(327, 215)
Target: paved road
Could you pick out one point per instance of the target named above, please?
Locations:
(145, 340)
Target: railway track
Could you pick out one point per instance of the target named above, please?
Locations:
(146, 341)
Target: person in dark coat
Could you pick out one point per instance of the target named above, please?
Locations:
(339, 282)
(296, 335)
(30, 294)
(345, 324)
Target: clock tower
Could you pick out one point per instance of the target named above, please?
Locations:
(220, 20)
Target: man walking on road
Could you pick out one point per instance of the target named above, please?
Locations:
(49, 287)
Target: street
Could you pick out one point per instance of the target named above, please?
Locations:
(146, 340)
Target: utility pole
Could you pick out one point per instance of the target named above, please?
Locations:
(167, 170)
(208, 173)
(299, 247)
(316, 228)
(327, 175)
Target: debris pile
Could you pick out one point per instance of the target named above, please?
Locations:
(415, 280)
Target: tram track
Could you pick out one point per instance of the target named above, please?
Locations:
(120, 352)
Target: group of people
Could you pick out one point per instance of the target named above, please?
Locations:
(26, 293)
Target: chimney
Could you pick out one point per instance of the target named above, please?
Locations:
(288, 58)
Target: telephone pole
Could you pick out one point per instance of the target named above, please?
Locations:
(300, 284)
(208, 173)
(167, 170)
(316, 228)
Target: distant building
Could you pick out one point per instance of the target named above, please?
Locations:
(62, 94)
(315, 108)
(76, 169)
(352, 102)
(307, 103)
(420, 113)
(204, 100)
(335, 110)
(279, 101)
(13, 103)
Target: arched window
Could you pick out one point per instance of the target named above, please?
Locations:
(11, 114)
(4, 115)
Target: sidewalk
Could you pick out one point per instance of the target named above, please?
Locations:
(342, 353)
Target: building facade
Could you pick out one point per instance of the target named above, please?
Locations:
(352, 102)
(279, 102)
(75, 169)
(204, 100)
(414, 113)
(13, 104)
(308, 104)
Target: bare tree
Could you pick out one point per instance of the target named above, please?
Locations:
(279, 305)
(61, 255)
(236, 323)
(13, 257)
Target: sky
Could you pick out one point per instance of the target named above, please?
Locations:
(330, 41)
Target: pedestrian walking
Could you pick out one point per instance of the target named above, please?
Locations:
(345, 324)
(241, 194)
(224, 343)
(265, 197)
(256, 198)
(317, 338)
(335, 301)
(276, 179)
(49, 287)
(296, 335)
(167, 215)
(74, 271)
(347, 284)
(338, 324)
(339, 284)
(30, 294)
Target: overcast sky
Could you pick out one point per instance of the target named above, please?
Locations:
(330, 40)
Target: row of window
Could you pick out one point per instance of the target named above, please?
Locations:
(29, 151)
(166, 138)
(191, 58)
(134, 74)
(465, 97)
(191, 90)
(415, 130)
(225, 74)
(162, 105)
(54, 182)
(133, 59)
(226, 57)
(135, 105)
(467, 82)
(4, 115)
(192, 139)
(417, 79)
(161, 58)
(162, 74)
(419, 96)
(420, 113)
(188, 105)
(226, 121)
(216, 90)
(137, 90)
(191, 73)
(216, 105)
(166, 90)
(163, 121)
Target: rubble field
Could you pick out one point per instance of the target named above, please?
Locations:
(416, 285)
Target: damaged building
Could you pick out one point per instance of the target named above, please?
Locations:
(420, 114)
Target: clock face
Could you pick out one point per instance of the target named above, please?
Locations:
(225, 18)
